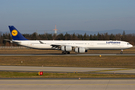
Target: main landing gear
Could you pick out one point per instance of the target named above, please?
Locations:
(65, 52)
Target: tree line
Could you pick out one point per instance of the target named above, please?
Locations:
(123, 37)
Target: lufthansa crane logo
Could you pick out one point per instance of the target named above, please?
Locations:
(14, 32)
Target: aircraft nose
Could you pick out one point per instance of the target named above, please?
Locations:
(131, 45)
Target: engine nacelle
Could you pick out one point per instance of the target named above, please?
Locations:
(80, 50)
(66, 48)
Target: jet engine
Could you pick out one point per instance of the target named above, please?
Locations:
(80, 50)
(66, 48)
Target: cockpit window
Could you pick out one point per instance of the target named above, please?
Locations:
(128, 43)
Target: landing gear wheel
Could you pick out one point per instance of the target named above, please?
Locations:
(121, 52)
(68, 52)
(64, 52)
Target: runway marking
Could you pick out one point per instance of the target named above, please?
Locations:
(111, 70)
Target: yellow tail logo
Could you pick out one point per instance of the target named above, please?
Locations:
(14, 32)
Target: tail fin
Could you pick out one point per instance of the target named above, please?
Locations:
(16, 35)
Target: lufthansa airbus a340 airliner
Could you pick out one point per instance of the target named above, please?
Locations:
(78, 46)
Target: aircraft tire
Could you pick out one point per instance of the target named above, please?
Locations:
(64, 52)
(68, 52)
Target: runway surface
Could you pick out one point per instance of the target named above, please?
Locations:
(67, 54)
(53, 69)
(97, 84)
(68, 69)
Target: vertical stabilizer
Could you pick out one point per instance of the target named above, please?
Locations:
(16, 35)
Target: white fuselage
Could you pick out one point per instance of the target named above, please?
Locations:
(88, 45)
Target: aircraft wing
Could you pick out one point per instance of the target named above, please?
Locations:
(60, 45)
(53, 45)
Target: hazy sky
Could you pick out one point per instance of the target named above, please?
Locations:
(89, 15)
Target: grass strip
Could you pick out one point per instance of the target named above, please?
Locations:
(66, 61)
(6, 74)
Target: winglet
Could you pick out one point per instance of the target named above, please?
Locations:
(16, 35)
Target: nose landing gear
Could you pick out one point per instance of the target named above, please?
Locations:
(121, 52)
